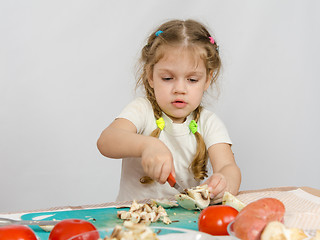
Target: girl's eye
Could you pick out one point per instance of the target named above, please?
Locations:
(166, 78)
(192, 80)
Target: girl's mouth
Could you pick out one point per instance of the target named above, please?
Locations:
(179, 103)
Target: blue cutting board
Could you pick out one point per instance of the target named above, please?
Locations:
(107, 218)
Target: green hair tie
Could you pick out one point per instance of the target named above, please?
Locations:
(160, 123)
(193, 126)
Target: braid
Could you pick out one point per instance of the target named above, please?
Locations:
(155, 133)
(199, 164)
(157, 114)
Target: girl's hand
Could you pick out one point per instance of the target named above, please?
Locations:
(226, 176)
(217, 185)
(157, 161)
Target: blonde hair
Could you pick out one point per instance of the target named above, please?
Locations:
(194, 35)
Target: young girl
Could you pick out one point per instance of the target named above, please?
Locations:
(169, 131)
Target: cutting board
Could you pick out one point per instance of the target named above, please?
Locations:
(107, 218)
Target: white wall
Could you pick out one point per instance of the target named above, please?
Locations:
(68, 67)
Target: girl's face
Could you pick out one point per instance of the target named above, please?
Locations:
(179, 81)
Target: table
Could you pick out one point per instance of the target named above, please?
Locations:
(298, 200)
(313, 191)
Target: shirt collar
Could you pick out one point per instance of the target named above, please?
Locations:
(177, 129)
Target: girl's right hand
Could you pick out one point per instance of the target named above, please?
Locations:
(120, 140)
(157, 160)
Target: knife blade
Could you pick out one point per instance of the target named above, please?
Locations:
(173, 183)
(8, 221)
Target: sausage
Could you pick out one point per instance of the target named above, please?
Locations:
(251, 220)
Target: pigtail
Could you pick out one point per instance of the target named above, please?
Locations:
(155, 133)
(199, 164)
(157, 114)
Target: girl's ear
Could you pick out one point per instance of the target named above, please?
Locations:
(208, 81)
(150, 78)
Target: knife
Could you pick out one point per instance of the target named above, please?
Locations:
(7, 221)
(172, 181)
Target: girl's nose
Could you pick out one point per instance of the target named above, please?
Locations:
(180, 86)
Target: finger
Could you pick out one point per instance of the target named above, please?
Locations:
(220, 187)
(215, 180)
(157, 172)
(213, 187)
(173, 172)
(219, 195)
(211, 195)
(218, 200)
(146, 166)
(165, 171)
(210, 189)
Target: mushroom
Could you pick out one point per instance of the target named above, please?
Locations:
(116, 232)
(135, 217)
(186, 202)
(47, 228)
(144, 213)
(132, 231)
(165, 203)
(195, 198)
(277, 230)
(232, 201)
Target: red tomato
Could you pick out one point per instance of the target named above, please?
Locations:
(68, 228)
(215, 219)
(17, 232)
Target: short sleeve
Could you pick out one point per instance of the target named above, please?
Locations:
(213, 129)
(138, 112)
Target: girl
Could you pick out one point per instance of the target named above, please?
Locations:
(169, 131)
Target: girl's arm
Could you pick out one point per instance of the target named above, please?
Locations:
(120, 140)
(226, 174)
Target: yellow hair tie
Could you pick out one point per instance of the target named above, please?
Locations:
(193, 126)
(160, 123)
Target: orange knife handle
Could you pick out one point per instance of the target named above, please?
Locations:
(171, 180)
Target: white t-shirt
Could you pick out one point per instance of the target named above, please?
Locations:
(180, 141)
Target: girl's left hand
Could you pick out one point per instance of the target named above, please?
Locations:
(217, 185)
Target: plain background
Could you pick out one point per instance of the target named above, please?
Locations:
(67, 68)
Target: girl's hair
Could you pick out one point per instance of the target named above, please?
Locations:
(195, 36)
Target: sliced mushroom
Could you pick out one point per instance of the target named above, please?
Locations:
(232, 201)
(166, 220)
(147, 208)
(135, 206)
(186, 202)
(165, 203)
(144, 213)
(116, 232)
(196, 198)
(47, 228)
(135, 217)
